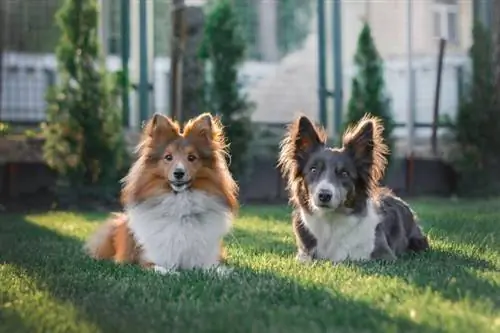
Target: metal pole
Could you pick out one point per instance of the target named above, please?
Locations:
(337, 65)
(321, 62)
(125, 56)
(104, 15)
(435, 120)
(411, 90)
(176, 61)
(143, 56)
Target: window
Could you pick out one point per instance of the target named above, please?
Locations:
(445, 20)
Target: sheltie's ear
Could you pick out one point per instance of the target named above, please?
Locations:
(302, 138)
(160, 125)
(159, 131)
(365, 143)
(207, 131)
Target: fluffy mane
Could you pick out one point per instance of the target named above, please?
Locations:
(206, 133)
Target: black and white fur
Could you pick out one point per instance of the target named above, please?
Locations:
(340, 211)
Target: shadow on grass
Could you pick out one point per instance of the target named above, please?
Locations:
(128, 299)
(448, 273)
(262, 242)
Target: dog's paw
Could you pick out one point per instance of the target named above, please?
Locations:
(223, 271)
(164, 271)
(304, 258)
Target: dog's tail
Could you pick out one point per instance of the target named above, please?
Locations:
(110, 239)
(417, 240)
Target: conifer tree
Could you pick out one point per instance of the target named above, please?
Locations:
(478, 122)
(368, 93)
(223, 47)
(83, 135)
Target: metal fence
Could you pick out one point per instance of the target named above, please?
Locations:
(281, 70)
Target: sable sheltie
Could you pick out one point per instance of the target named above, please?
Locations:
(340, 210)
(179, 200)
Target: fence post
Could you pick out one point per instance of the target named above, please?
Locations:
(125, 56)
(321, 63)
(337, 65)
(178, 45)
(143, 56)
(435, 120)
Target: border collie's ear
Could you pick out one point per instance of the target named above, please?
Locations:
(364, 141)
(305, 135)
(301, 138)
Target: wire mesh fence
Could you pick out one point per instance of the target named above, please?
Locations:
(280, 73)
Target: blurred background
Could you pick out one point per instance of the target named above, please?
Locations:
(299, 56)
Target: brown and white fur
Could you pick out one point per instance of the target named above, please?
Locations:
(340, 211)
(179, 200)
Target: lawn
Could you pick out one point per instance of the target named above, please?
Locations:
(47, 284)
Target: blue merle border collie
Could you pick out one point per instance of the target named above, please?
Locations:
(340, 210)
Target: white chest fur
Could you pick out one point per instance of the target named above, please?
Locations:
(181, 230)
(341, 237)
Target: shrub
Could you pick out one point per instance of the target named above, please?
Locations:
(368, 93)
(83, 135)
(223, 48)
(477, 124)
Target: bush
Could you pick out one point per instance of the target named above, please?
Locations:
(224, 49)
(478, 123)
(368, 93)
(83, 135)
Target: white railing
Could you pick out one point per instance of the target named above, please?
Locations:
(26, 78)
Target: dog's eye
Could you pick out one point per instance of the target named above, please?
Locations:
(168, 157)
(313, 170)
(191, 158)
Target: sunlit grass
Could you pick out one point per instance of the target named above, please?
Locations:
(48, 284)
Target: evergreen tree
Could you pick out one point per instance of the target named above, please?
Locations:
(83, 135)
(478, 122)
(368, 93)
(224, 48)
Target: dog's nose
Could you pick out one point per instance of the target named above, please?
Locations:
(325, 196)
(179, 174)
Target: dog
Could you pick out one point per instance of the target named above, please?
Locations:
(340, 210)
(179, 200)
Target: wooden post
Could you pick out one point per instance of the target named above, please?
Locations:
(435, 120)
(177, 50)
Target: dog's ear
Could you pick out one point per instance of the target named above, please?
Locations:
(364, 141)
(157, 132)
(160, 125)
(208, 131)
(201, 127)
(301, 138)
(306, 135)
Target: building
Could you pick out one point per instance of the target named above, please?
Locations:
(287, 91)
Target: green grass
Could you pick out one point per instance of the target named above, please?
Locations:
(47, 284)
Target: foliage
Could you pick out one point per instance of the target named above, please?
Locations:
(368, 94)
(478, 122)
(83, 136)
(294, 17)
(224, 48)
(4, 129)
